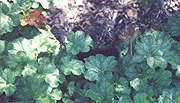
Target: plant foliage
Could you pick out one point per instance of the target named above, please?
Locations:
(78, 42)
(34, 67)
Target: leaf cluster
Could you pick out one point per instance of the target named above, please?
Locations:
(12, 9)
(171, 26)
(34, 67)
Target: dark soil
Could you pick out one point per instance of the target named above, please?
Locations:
(105, 20)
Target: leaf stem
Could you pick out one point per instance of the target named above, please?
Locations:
(131, 47)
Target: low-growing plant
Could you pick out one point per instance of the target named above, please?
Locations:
(34, 67)
(171, 26)
(10, 16)
(37, 77)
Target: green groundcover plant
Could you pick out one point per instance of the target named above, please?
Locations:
(34, 67)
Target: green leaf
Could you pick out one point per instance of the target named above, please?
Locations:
(2, 61)
(169, 96)
(141, 71)
(46, 42)
(62, 53)
(8, 76)
(128, 61)
(24, 4)
(18, 61)
(61, 77)
(161, 81)
(14, 8)
(101, 93)
(4, 8)
(10, 17)
(3, 84)
(141, 86)
(15, 19)
(46, 70)
(71, 88)
(29, 32)
(40, 43)
(22, 44)
(46, 99)
(47, 4)
(122, 86)
(10, 36)
(125, 62)
(7, 79)
(79, 96)
(125, 99)
(78, 42)
(49, 72)
(173, 24)
(176, 83)
(28, 93)
(153, 47)
(106, 76)
(6, 25)
(35, 4)
(175, 64)
(35, 83)
(3, 45)
(66, 98)
(10, 89)
(72, 65)
(174, 60)
(53, 80)
(46, 67)
(141, 98)
(99, 67)
(122, 46)
(14, 13)
(57, 94)
(30, 68)
(176, 47)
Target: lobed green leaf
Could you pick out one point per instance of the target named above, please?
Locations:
(141, 71)
(142, 86)
(170, 96)
(18, 60)
(141, 98)
(72, 65)
(78, 42)
(27, 93)
(23, 4)
(173, 24)
(122, 87)
(3, 46)
(153, 48)
(6, 25)
(7, 80)
(101, 93)
(99, 67)
(161, 81)
(57, 93)
(46, 67)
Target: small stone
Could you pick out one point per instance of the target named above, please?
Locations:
(126, 2)
(131, 13)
